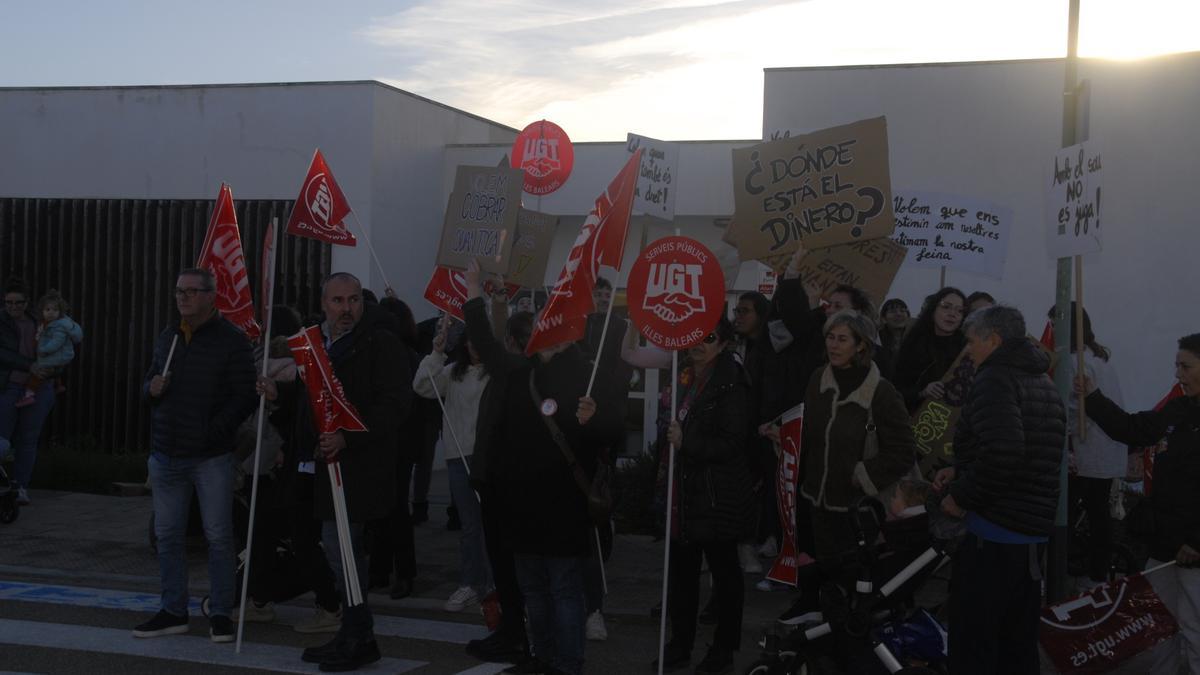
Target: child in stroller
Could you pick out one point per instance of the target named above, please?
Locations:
(865, 620)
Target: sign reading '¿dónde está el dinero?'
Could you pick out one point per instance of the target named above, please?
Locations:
(825, 188)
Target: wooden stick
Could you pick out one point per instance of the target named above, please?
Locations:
(942, 279)
(1079, 340)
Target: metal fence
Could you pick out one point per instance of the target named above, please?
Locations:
(115, 261)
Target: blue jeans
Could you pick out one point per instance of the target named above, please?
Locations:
(357, 622)
(172, 480)
(23, 426)
(471, 546)
(554, 603)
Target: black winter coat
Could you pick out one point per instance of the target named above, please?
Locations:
(373, 366)
(714, 484)
(211, 390)
(922, 360)
(544, 510)
(1175, 499)
(1008, 445)
(10, 348)
(500, 365)
(833, 461)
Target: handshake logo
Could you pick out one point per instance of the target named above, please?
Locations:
(673, 292)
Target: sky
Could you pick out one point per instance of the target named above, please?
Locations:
(671, 69)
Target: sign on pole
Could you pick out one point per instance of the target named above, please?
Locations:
(676, 292)
(531, 249)
(544, 152)
(953, 231)
(655, 194)
(1073, 206)
(481, 218)
(825, 188)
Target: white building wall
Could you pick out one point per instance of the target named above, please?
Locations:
(988, 130)
(382, 144)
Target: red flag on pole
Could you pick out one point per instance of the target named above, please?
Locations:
(321, 208)
(331, 410)
(790, 560)
(222, 255)
(601, 241)
(447, 290)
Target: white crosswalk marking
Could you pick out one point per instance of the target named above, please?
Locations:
(390, 626)
(261, 657)
(484, 669)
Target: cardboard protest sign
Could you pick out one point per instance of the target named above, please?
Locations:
(1073, 201)
(962, 233)
(531, 249)
(870, 265)
(481, 218)
(1094, 632)
(655, 194)
(676, 292)
(788, 562)
(934, 421)
(544, 153)
(825, 188)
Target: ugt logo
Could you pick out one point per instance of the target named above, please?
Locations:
(541, 157)
(673, 291)
(320, 202)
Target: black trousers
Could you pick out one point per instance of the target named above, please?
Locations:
(995, 597)
(684, 592)
(306, 542)
(1093, 493)
(392, 545)
(504, 570)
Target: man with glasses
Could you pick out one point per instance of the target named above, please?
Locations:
(18, 350)
(200, 387)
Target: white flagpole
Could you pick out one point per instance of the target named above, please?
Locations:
(262, 407)
(170, 354)
(662, 630)
(341, 519)
(600, 347)
(448, 425)
(371, 248)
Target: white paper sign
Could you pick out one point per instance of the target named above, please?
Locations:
(655, 193)
(953, 231)
(1073, 207)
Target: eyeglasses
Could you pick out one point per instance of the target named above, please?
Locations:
(742, 311)
(947, 307)
(15, 303)
(710, 338)
(190, 292)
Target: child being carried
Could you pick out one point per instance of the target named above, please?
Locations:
(56, 339)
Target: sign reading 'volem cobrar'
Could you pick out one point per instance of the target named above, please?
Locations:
(481, 218)
(825, 188)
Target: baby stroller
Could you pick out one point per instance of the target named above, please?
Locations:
(9, 509)
(870, 624)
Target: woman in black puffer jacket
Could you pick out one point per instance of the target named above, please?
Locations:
(1174, 525)
(713, 499)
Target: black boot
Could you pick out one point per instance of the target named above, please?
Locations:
(321, 652)
(352, 655)
(420, 512)
(453, 523)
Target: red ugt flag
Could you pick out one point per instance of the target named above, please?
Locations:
(447, 290)
(222, 255)
(321, 207)
(787, 564)
(331, 410)
(601, 241)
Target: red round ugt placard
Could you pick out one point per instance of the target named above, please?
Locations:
(543, 151)
(676, 292)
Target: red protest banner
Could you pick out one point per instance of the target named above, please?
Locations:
(321, 207)
(676, 292)
(222, 255)
(447, 290)
(544, 152)
(1098, 630)
(789, 561)
(601, 241)
(331, 410)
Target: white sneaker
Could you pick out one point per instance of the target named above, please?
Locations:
(769, 549)
(22, 497)
(766, 586)
(596, 630)
(750, 564)
(464, 597)
(323, 621)
(256, 613)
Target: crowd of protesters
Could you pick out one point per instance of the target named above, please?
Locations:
(528, 438)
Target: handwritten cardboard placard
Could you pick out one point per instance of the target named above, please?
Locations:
(934, 421)
(826, 188)
(962, 233)
(531, 249)
(869, 265)
(481, 218)
(1073, 201)
(655, 191)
